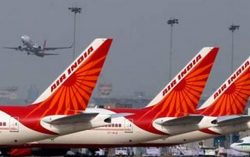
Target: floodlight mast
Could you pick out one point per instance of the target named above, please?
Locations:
(233, 28)
(171, 22)
(75, 10)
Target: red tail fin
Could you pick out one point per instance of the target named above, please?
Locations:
(72, 90)
(232, 96)
(182, 94)
(44, 44)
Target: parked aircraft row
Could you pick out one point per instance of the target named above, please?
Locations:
(32, 48)
(60, 117)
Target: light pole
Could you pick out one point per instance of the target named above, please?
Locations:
(74, 10)
(232, 28)
(171, 22)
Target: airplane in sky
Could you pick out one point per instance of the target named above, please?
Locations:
(34, 49)
(59, 110)
(243, 145)
(166, 115)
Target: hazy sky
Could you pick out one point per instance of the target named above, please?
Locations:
(138, 59)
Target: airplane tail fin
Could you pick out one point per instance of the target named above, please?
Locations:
(232, 96)
(44, 45)
(71, 91)
(181, 96)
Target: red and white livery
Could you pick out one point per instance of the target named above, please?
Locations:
(173, 108)
(59, 110)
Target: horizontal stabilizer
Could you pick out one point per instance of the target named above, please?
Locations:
(50, 54)
(56, 48)
(232, 120)
(185, 120)
(118, 115)
(14, 48)
(77, 118)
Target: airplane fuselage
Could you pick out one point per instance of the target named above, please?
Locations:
(198, 135)
(30, 47)
(123, 131)
(12, 132)
(243, 145)
(17, 127)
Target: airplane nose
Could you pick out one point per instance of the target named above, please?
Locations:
(24, 37)
(232, 145)
(236, 146)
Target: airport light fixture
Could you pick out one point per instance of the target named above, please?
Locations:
(171, 22)
(75, 10)
(233, 28)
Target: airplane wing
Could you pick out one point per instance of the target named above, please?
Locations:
(117, 115)
(78, 118)
(82, 118)
(50, 54)
(55, 48)
(232, 120)
(14, 48)
(62, 124)
(178, 121)
(178, 125)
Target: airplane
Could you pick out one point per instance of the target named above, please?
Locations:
(34, 49)
(219, 109)
(243, 145)
(167, 114)
(59, 110)
(214, 111)
(224, 108)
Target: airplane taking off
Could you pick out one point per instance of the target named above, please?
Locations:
(59, 109)
(34, 49)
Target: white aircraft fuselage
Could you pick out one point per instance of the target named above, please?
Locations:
(120, 132)
(51, 114)
(33, 48)
(243, 145)
(123, 132)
